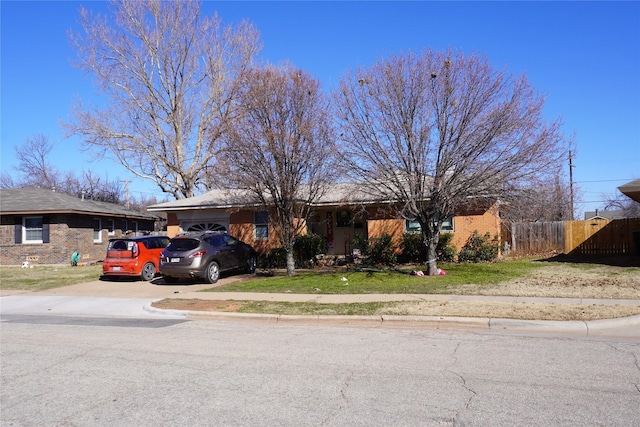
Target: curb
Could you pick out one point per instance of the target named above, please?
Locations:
(592, 328)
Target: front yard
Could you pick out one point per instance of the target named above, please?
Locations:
(525, 278)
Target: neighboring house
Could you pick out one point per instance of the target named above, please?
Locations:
(631, 189)
(338, 216)
(44, 227)
(598, 214)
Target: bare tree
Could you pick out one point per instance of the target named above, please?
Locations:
(7, 181)
(440, 130)
(34, 167)
(630, 207)
(281, 150)
(169, 77)
(548, 200)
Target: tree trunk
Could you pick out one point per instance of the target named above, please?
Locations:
(431, 238)
(291, 264)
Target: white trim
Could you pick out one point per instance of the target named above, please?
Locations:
(24, 230)
(99, 230)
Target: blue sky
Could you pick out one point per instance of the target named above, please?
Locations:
(584, 56)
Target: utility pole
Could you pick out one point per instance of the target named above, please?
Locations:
(571, 181)
(126, 183)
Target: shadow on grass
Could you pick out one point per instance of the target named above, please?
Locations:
(612, 260)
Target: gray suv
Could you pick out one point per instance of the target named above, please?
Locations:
(204, 256)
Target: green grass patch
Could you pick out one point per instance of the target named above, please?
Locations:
(313, 309)
(369, 281)
(40, 278)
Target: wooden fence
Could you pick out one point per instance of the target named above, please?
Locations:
(590, 237)
(537, 237)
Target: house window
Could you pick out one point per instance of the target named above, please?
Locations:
(413, 226)
(112, 227)
(447, 224)
(97, 230)
(206, 226)
(343, 219)
(134, 227)
(32, 229)
(261, 224)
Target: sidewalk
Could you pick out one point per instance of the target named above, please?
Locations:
(108, 293)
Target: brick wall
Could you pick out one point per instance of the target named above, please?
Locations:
(464, 224)
(67, 233)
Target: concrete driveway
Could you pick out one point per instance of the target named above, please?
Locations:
(126, 288)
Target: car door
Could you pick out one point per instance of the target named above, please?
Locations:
(223, 252)
(155, 246)
(234, 250)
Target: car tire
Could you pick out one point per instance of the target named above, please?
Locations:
(213, 272)
(251, 265)
(169, 279)
(148, 272)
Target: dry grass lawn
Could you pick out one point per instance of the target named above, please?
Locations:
(561, 281)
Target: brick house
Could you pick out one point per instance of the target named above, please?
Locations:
(338, 216)
(44, 227)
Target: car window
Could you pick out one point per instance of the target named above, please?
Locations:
(156, 243)
(216, 240)
(230, 240)
(179, 245)
(118, 245)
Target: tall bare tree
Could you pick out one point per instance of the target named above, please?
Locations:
(547, 201)
(34, 166)
(281, 150)
(169, 77)
(35, 169)
(438, 130)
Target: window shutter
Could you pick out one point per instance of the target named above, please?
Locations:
(45, 229)
(17, 230)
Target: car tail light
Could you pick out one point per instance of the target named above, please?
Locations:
(134, 250)
(197, 254)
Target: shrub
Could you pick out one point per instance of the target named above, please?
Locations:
(413, 249)
(359, 242)
(381, 250)
(478, 248)
(276, 258)
(306, 247)
(445, 251)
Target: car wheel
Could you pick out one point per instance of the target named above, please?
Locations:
(251, 265)
(213, 272)
(169, 279)
(148, 272)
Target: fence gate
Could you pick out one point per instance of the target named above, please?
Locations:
(537, 237)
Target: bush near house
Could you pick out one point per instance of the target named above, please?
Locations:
(478, 249)
(306, 248)
(412, 248)
(381, 250)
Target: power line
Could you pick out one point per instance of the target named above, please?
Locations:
(604, 180)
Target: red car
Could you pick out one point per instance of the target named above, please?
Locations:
(135, 256)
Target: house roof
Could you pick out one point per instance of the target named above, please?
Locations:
(631, 189)
(25, 201)
(598, 214)
(338, 194)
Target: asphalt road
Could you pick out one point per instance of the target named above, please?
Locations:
(146, 371)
